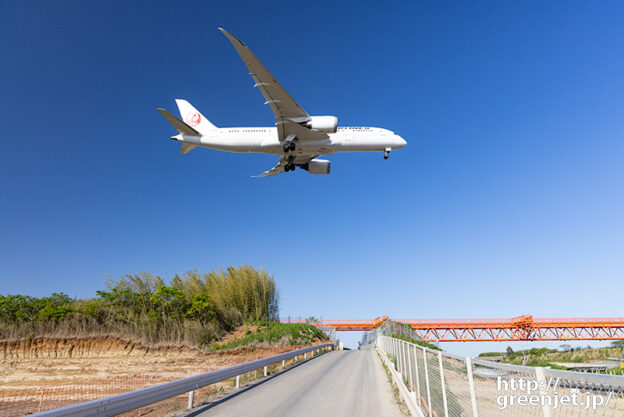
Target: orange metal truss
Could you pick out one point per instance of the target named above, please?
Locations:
(495, 330)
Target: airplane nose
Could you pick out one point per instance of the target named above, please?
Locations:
(400, 141)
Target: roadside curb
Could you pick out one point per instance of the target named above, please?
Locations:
(397, 381)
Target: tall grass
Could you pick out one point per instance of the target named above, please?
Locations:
(192, 308)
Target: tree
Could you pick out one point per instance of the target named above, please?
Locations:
(510, 350)
(192, 308)
(201, 309)
(168, 300)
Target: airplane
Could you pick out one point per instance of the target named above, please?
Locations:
(298, 138)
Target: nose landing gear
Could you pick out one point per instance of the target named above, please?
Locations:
(387, 153)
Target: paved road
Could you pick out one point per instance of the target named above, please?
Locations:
(339, 383)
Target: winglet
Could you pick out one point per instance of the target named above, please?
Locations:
(231, 37)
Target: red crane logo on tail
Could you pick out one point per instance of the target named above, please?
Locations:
(193, 119)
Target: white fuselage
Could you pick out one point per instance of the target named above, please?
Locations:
(265, 140)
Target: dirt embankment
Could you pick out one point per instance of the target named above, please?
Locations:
(59, 361)
(85, 347)
(45, 373)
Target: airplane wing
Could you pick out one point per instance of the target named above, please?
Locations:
(279, 168)
(288, 114)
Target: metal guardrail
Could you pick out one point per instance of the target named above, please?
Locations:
(132, 400)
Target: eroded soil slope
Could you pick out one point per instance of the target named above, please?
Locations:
(61, 361)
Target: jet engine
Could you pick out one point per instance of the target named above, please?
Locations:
(327, 124)
(317, 166)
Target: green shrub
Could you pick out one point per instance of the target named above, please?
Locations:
(488, 354)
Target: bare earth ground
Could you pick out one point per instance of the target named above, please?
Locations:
(45, 373)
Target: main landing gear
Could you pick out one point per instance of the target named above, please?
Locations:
(387, 153)
(290, 166)
(289, 143)
(289, 146)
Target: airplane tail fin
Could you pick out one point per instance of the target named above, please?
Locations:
(194, 118)
(187, 147)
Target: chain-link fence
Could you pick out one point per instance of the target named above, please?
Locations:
(446, 385)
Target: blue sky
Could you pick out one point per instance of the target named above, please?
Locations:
(508, 199)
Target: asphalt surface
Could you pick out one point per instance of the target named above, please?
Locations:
(339, 383)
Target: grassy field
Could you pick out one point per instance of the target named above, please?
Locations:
(547, 357)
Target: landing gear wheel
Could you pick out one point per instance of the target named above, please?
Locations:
(292, 146)
(286, 147)
(287, 167)
(386, 154)
(292, 167)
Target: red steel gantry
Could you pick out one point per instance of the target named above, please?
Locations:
(524, 327)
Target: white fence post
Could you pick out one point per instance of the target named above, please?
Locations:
(237, 381)
(404, 352)
(417, 378)
(395, 353)
(427, 382)
(541, 383)
(265, 371)
(473, 395)
(190, 400)
(409, 369)
(443, 385)
(283, 364)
